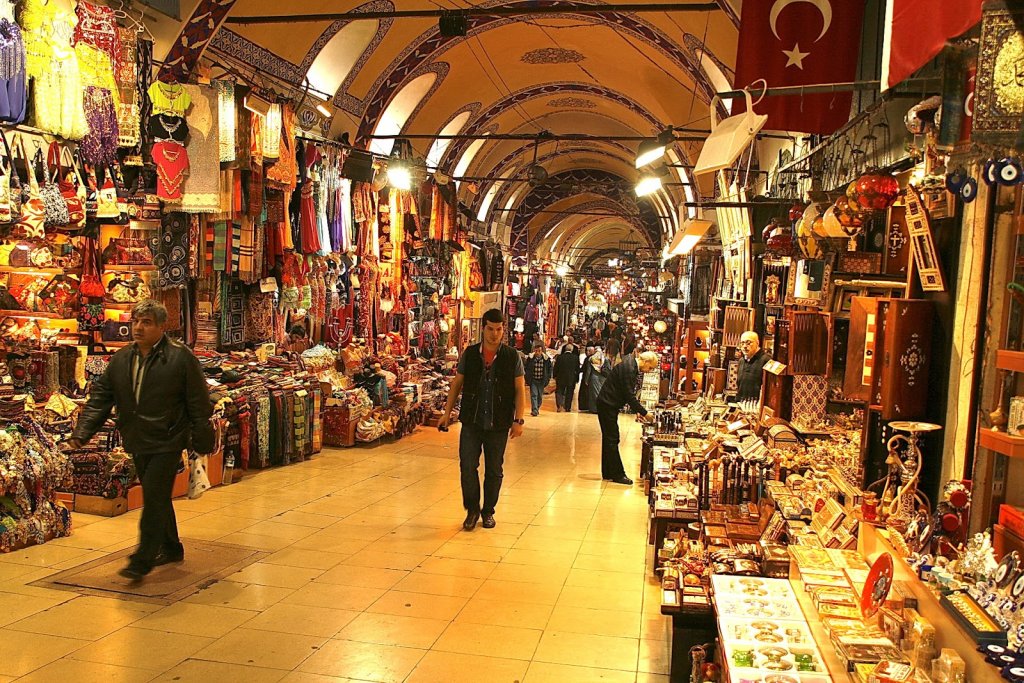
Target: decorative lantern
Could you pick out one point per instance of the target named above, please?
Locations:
(874, 191)
(660, 326)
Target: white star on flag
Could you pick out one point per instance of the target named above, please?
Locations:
(795, 57)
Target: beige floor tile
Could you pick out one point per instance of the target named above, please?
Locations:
(389, 544)
(363, 577)
(599, 622)
(87, 672)
(467, 551)
(508, 642)
(385, 560)
(305, 519)
(655, 655)
(142, 648)
(196, 620)
(439, 584)
(200, 671)
(85, 618)
(239, 595)
(447, 667)
(265, 574)
(545, 672)
(332, 543)
(577, 649)
(10, 572)
(528, 573)
(15, 607)
(390, 629)
(418, 605)
(335, 597)
(22, 652)
(643, 677)
(452, 567)
(304, 677)
(308, 559)
(539, 558)
(268, 544)
(656, 627)
(267, 649)
(363, 532)
(363, 661)
(504, 613)
(517, 591)
(610, 564)
(602, 598)
(302, 619)
(45, 555)
(592, 578)
(545, 545)
(489, 539)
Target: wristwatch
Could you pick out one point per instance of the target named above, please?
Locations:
(520, 421)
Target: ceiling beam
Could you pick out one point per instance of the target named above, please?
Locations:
(514, 11)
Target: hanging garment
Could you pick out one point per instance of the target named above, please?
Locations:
(144, 71)
(169, 98)
(96, 69)
(99, 147)
(201, 190)
(57, 96)
(272, 134)
(171, 161)
(97, 27)
(126, 74)
(285, 172)
(172, 252)
(13, 77)
(167, 127)
(47, 31)
(226, 119)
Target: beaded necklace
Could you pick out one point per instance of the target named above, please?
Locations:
(12, 50)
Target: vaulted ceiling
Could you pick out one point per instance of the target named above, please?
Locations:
(616, 74)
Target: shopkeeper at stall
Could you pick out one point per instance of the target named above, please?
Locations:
(748, 381)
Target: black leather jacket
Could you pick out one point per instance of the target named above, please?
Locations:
(173, 411)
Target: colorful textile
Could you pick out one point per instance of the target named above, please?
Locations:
(172, 251)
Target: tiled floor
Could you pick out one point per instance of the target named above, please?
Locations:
(370, 577)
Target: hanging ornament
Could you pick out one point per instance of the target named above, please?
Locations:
(875, 191)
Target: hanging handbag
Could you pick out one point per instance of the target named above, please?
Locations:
(137, 200)
(60, 296)
(91, 190)
(106, 199)
(92, 285)
(72, 189)
(116, 331)
(130, 291)
(7, 213)
(123, 196)
(53, 200)
(128, 251)
(32, 222)
(198, 479)
(90, 316)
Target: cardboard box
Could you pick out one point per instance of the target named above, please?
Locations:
(1012, 518)
(135, 497)
(67, 498)
(215, 468)
(98, 505)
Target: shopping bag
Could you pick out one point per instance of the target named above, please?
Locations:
(198, 479)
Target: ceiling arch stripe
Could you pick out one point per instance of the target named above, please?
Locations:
(431, 42)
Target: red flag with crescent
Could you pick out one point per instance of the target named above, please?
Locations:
(800, 42)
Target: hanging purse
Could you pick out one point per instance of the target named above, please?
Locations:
(90, 316)
(7, 214)
(72, 189)
(114, 330)
(130, 291)
(128, 251)
(53, 201)
(123, 196)
(60, 296)
(32, 223)
(91, 190)
(106, 199)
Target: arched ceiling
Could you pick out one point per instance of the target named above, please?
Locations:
(613, 74)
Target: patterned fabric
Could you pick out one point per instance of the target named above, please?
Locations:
(810, 395)
(259, 316)
(226, 119)
(300, 424)
(232, 317)
(201, 190)
(172, 251)
(220, 245)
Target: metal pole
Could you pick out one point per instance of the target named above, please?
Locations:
(640, 8)
(815, 88)
(696, 135)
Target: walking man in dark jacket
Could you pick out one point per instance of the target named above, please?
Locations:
(163, 407)
(538, 374)
(619, 390)
(567, 375)
(490, 380)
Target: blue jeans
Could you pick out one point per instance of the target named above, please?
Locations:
(536, 397)
(492, 442)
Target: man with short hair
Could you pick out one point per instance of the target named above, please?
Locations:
(163, 408)
(750, 375)
(619, 390)
(490, 379)
(538, 374)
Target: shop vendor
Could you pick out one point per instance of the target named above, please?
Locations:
(748, 381)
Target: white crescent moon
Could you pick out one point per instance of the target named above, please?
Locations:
(823, 6)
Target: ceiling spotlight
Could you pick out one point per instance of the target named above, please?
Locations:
(562, 270)
(399, 176)
(324, 111)
(689, 234)
(649, 183)
(256, 103)
(653, 149)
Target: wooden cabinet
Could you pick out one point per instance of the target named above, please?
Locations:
(810, 345)
(692, 360)
(889, 355)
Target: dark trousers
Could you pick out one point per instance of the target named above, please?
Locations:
(492, 442)
(158, 529)
(611, 461)
(563, 395)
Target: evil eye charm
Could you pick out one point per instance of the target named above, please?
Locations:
(969, 190)
(955, 180)
(1009, 171)
(989, 172)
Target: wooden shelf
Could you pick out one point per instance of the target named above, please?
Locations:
(32, 314)
(109, 268)
(1001, 442)
(38, 270)
(1010, 360)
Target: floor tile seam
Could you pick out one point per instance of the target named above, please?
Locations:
(84, 643)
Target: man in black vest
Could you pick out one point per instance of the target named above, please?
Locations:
(750, 375)
(490, 379)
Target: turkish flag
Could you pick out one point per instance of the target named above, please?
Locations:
(800, 42)
(917, 30)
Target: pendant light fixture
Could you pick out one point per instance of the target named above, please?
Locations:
(653, 149)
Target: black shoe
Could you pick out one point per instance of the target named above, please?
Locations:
(163, 558)
(623, 480)
(470, 522)
(488, 522)
(134, 572)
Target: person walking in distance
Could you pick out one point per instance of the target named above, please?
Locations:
(567, 375)
(620, 389)
(538, 374)
(163, 407)
(490, 378)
